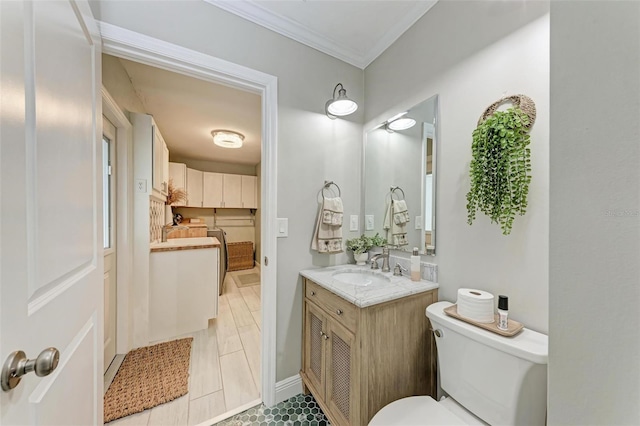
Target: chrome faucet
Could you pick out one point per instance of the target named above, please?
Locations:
(168, 229)
(399, 269)
(385, 260)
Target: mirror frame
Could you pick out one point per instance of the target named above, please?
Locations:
(436, 140)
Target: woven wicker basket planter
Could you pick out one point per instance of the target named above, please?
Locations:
(240, 256)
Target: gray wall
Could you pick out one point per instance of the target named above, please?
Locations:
(471, 53)
(594, 247)
(311, 148)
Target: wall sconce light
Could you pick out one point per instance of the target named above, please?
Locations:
(227, 138)
(341, 105)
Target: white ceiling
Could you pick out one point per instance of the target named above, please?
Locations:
(356, 32)
(187, 109)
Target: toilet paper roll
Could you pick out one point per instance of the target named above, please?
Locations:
(476, 305)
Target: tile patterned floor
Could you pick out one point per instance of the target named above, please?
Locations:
(296, 411)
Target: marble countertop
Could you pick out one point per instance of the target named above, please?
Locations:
(379, 291)
(174, 244)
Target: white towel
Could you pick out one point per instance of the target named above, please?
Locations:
(400, 213)
(327, 238)
(396, 233)
(332, 211)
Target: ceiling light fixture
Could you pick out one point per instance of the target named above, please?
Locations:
(341, 105)
(227, 138)
(401, 124)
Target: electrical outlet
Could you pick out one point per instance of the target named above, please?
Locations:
(368, 222)
(353, 222)
(141, 185)
(418, 222)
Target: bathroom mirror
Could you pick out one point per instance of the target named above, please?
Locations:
(400, 165)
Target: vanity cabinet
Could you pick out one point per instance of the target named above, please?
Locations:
(357, 360)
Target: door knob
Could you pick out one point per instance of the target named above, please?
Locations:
(17, 365)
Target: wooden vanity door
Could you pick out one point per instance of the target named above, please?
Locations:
(314, 348)
(341, 394)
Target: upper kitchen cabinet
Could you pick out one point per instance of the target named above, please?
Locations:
(212, 190)
(178, 176)
(194, 188)
(249, 192)
(232, 191)
(151, 154)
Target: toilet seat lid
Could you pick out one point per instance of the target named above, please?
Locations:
(414, 411)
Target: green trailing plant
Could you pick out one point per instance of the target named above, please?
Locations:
(363, 243)
(500, 168)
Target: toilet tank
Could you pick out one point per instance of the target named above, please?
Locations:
(502, 380)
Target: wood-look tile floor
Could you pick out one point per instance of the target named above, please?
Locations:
(224, 373)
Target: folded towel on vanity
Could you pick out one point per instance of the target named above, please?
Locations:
(327, 237)
(332, 211)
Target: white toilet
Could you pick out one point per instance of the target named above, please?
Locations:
(489, 378)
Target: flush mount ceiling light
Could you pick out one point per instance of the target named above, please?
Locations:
(401, 124)
(227, 138)
(341, 105)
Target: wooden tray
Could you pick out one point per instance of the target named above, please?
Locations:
(514, 326)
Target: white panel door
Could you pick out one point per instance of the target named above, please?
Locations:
(51, 257)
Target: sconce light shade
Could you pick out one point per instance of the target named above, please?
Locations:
(401, 124)
(227, 138)
(341, 105)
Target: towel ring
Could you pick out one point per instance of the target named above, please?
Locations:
(393, 190)
(327, 185)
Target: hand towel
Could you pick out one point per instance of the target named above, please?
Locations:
(396, 233)
(332, 211)
(400, 213)
(326, 238)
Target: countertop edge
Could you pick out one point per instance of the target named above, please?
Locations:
(375, 300)
(176, 248)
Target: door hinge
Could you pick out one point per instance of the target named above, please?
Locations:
(109, 170)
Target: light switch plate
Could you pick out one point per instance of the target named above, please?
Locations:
(283, 227)
(368, 222)
(418, 222)
(353, 222)
(141, 185)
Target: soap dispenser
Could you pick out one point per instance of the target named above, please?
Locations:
(415, 265)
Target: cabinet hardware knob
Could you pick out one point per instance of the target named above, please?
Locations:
(339, 312)
(313, 293)
(325, 337)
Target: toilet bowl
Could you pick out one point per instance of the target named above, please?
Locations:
(489, 379)
(424, 411)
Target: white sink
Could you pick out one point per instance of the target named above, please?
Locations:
(360, 278)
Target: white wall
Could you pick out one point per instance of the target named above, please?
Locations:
(594, 270)
(311, 148)
(118, 83)
(472, 53)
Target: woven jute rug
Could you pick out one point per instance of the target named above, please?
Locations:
(148, 377)
(246, 280)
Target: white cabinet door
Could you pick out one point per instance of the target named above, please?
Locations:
(158, 153)
(249, 199)
(165, 168)
(194, 188)
(51, 286)
(232, 191)
(212, 190)
(178, 175)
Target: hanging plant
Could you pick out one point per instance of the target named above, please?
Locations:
(501, 166)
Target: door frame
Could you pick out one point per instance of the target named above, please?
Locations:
(127, 44)
(124, 219)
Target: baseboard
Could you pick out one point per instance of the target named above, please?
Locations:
(288, 387)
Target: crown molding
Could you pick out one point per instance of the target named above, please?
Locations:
(252, 11)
